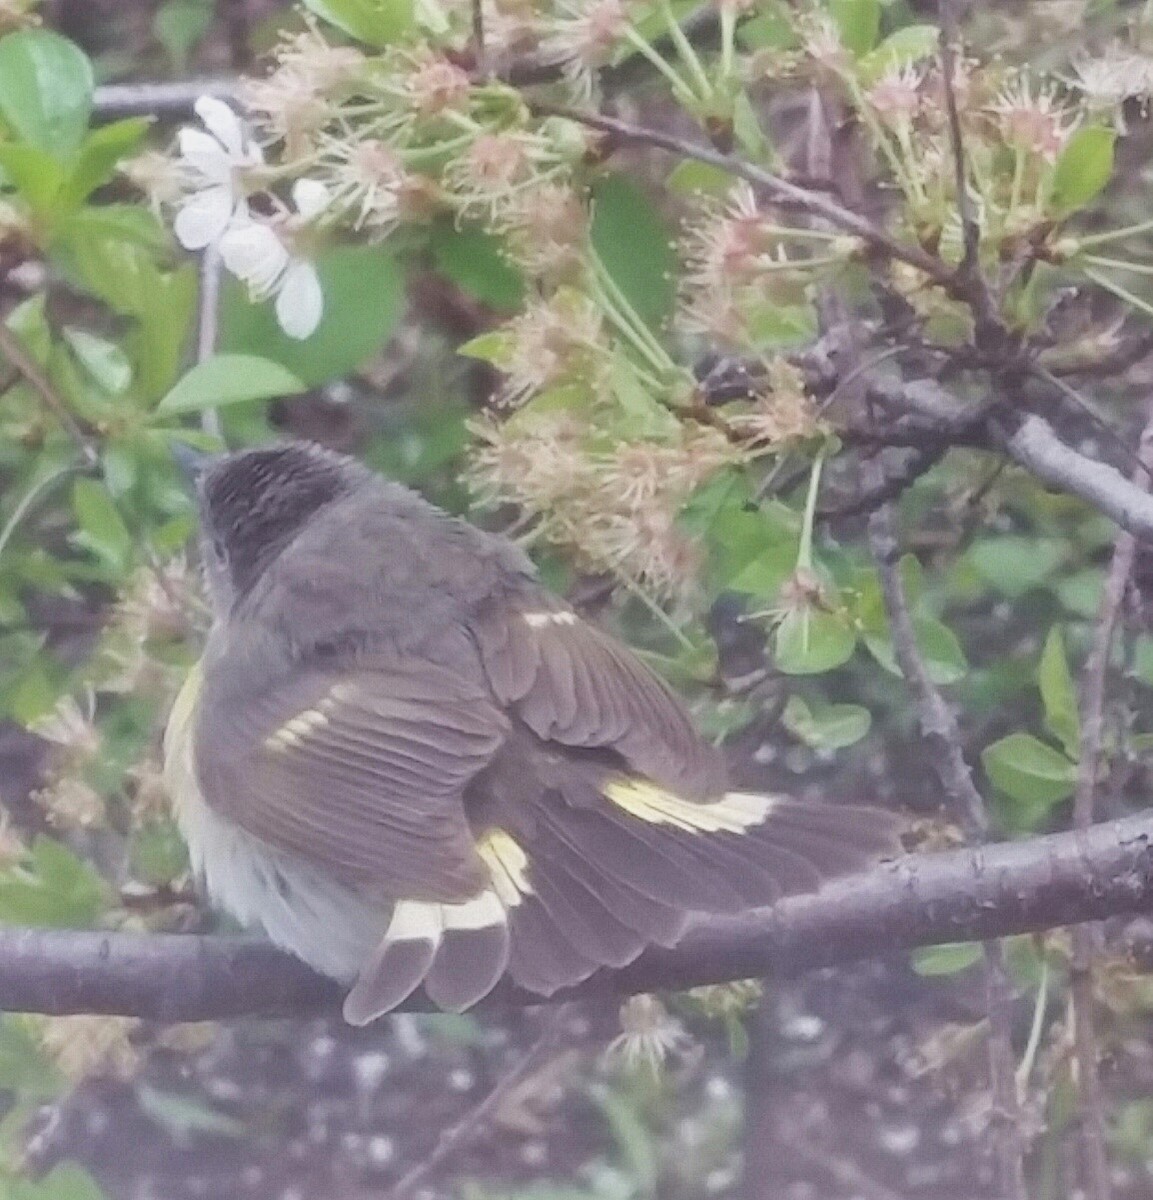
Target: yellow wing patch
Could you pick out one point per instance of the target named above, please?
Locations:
(734, 812)
(507, 864)
(294, 731)
(537, 620)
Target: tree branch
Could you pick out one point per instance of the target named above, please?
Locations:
(992, 891)
(941, 730)
(774, 186)
(1031, 442)
(1094, 1160)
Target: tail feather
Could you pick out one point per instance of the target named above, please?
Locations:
(578, 885)
(473, 953)
(639, 850)
(836, 840)
(543, 958)
(401, 961)
(663, 868)
(653, 921)
(586, 922)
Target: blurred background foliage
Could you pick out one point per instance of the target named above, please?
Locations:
(773, 624)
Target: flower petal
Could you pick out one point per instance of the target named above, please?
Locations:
(205, 155)
(300, 302)
(204, 217)
(311, 197)
(224, 125)
(254, 254)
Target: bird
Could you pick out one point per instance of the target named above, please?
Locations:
(410, 764)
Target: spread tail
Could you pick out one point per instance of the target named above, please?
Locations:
(579, 885)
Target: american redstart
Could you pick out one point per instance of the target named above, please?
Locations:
(411, 764)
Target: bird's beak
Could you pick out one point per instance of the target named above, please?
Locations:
(192, 462)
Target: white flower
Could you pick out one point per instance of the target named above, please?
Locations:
(263, 256)
(213, 163)
(649, 1034)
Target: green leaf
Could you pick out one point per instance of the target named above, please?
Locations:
(635, 245)
(35, 174)
(102, 530)
(828, 726)
(941, 651)
(950, 958)
(158, 852)
(493, 347)
(810, 641)
(181, 1115)
(114, 252)
(747, 128)
(102, 150)
(179, 25)
(751, 550)
(1013, 564)
(229, 379)
(67, 1181)
(768, 30)
(377, 22)
(46, 88)
(693, 178)
(641, 414)
(909, 44)
(859, 22)
(29, 323)
(106, 364)
(50, 886)
(1080, 591)
(363, 302)
(1028, 770)
(1083, 169)
(633, 1140)
(471, 258)
(24, 1067)
(1058, 695)
(779, 326)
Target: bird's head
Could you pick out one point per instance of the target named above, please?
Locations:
(254, 502)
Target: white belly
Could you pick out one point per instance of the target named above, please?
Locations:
(330, 927)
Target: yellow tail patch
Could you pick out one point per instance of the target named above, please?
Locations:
(507, 864)
(734, 812)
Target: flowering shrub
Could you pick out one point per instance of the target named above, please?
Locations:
(743, 283)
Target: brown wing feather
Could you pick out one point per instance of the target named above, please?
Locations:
(571, 683)
(361, 772)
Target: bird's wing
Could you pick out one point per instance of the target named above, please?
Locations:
(571, 683)
(359, 771)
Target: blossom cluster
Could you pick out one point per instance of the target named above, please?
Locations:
(341, 141)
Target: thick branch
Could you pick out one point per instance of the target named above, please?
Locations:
(994, 891)
(167, 98)
(1031, 442)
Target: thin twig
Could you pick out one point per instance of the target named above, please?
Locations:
(14, 351)
(1117, 361)
(774, 186)
(1031, 442)
(970, 229)
(1093, 1159)
(208, 324)
(162, 99)
(940, 726)
(238, 29)
(474, 1123)
(918, 461)
(989, 331)
(479, 47)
